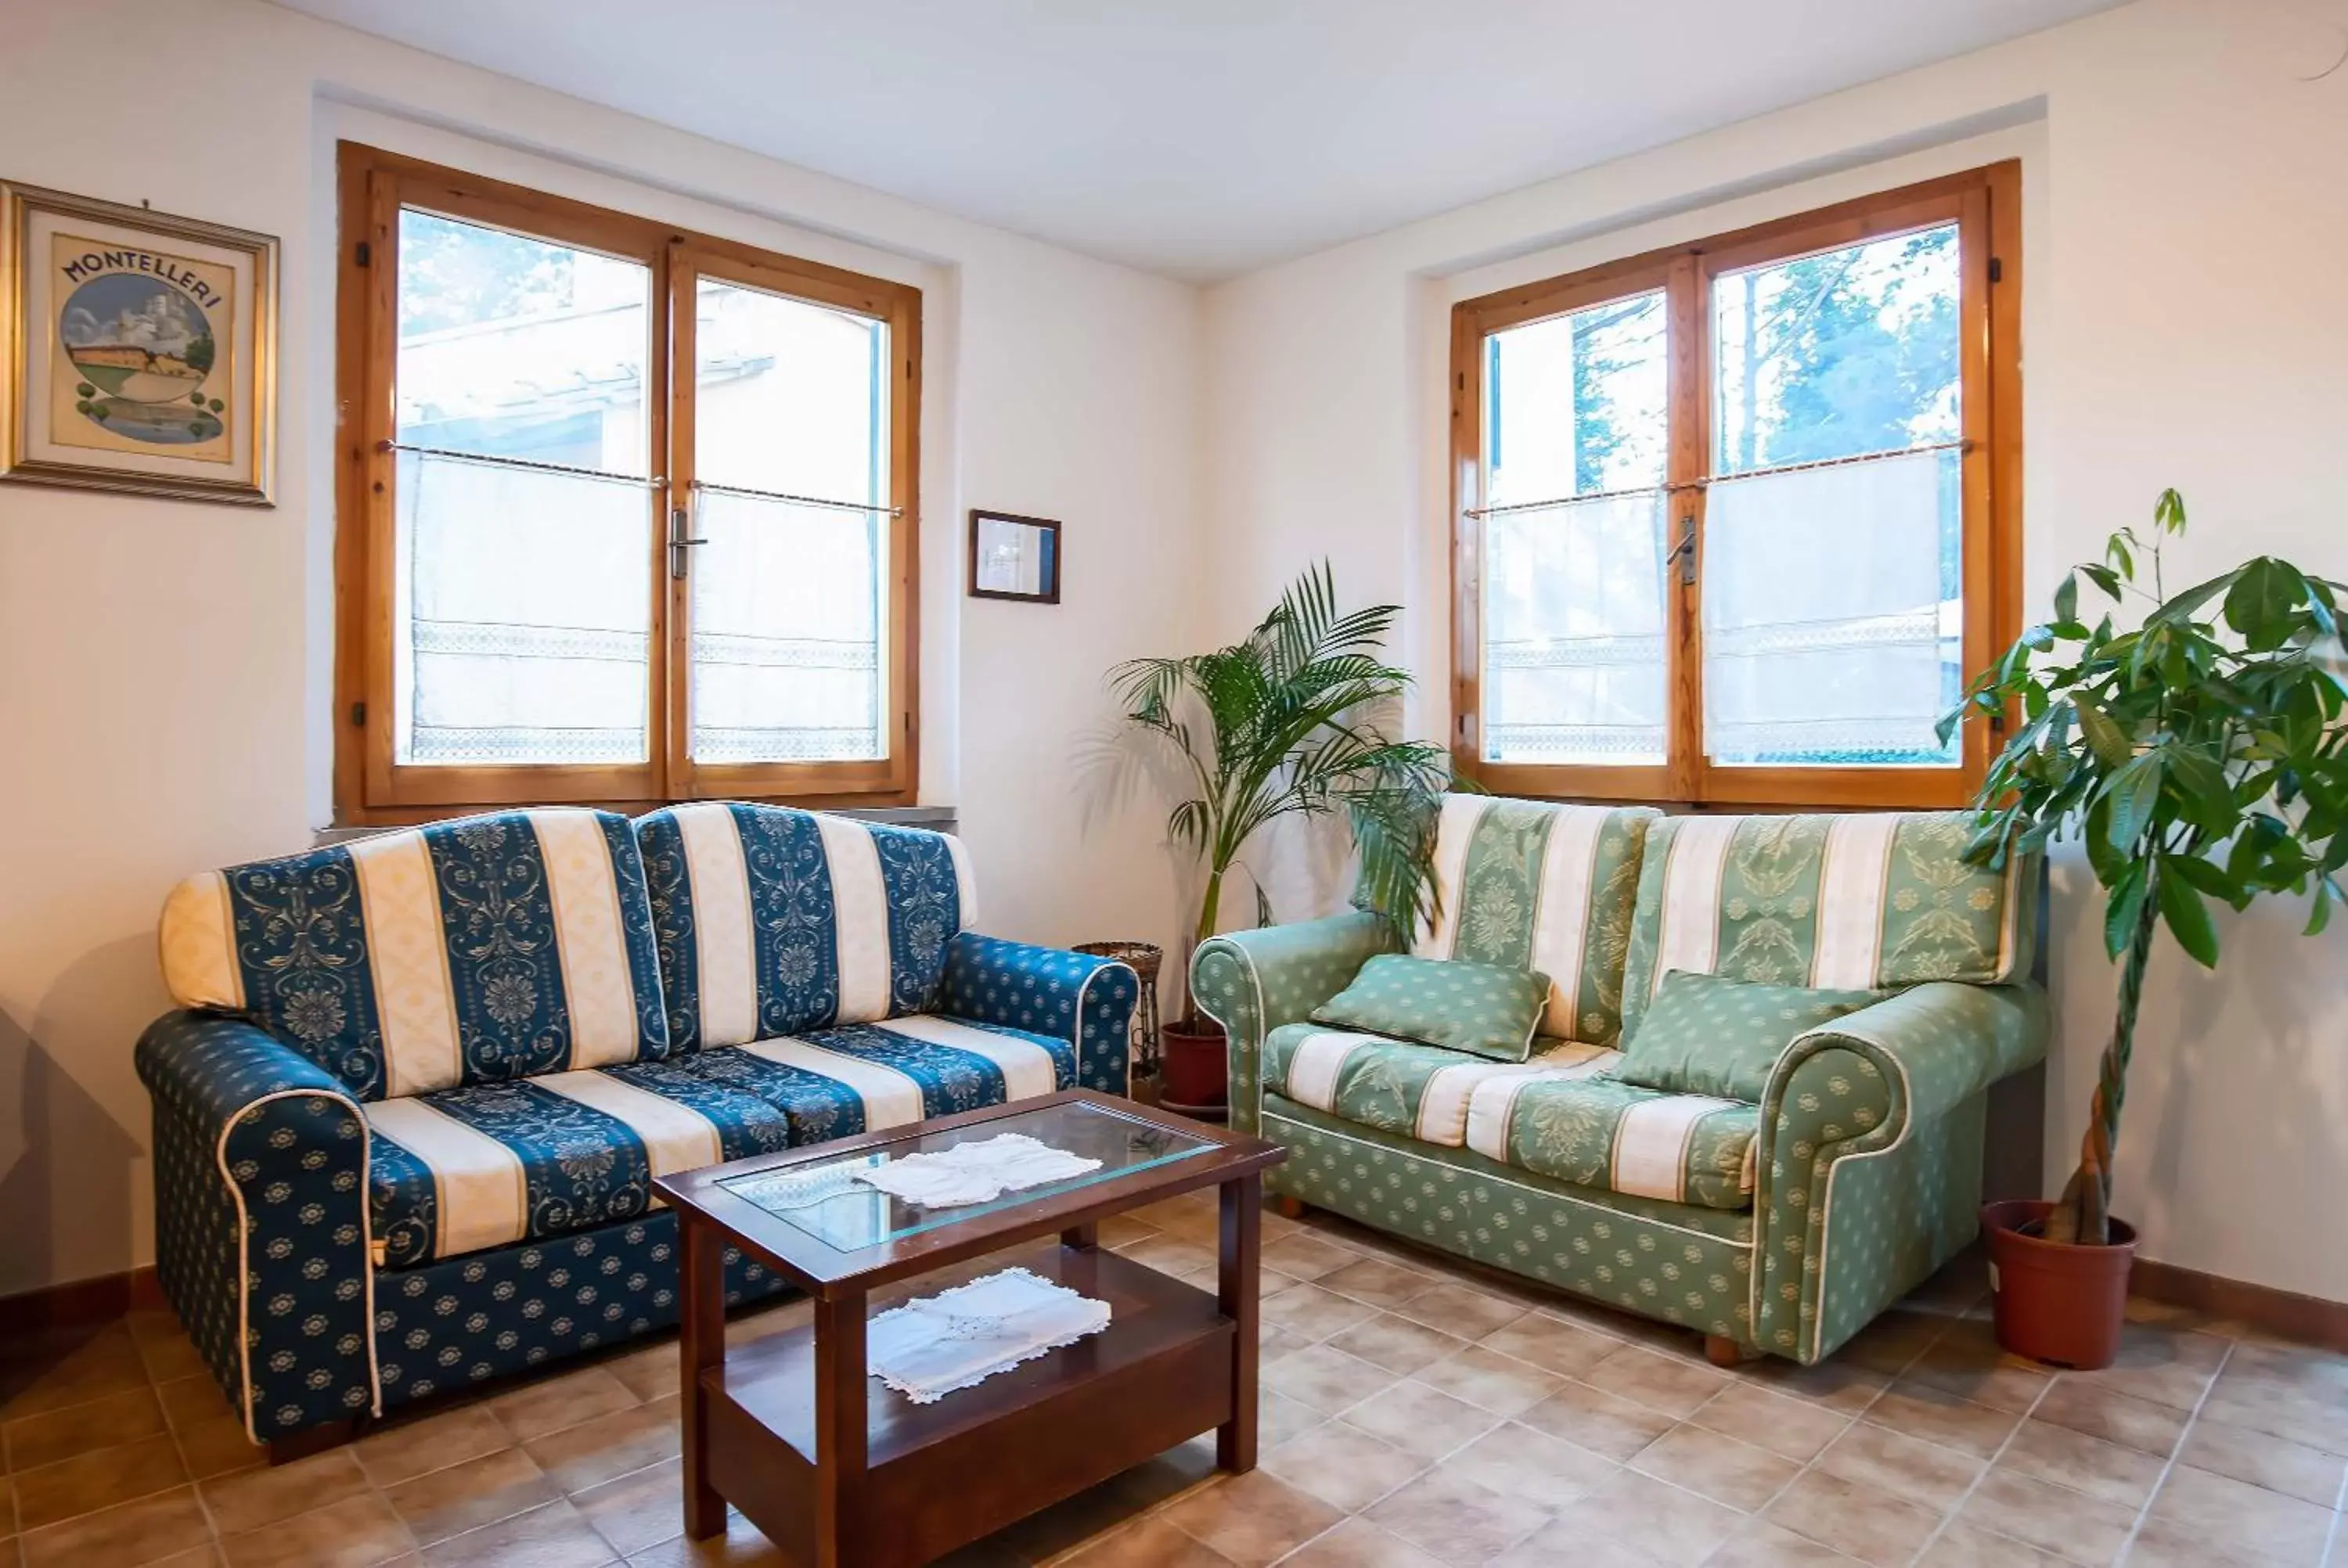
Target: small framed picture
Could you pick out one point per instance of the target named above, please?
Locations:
(141, 350)
(1015, 557)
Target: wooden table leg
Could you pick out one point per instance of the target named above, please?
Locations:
(701, 1281)
(1083, 1237)
(840, 1405)
(1238, 1276)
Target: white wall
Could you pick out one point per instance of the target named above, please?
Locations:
(164, 675)
(2183, 236)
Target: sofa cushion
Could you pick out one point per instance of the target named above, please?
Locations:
(1399, 1085)
(458, 1170)
(773, 921)
(1595, 1131)
(1707, 1034)
(471, 951)
(1856, 901)
(1483, 1009)
(1534, 886)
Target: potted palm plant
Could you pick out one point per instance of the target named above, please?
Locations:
(1285, 724)
(2196, 756)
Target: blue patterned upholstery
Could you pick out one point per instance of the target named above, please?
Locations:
(470, 951)
(773, 921)
(406, 1133)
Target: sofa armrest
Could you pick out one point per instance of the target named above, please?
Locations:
(1251, 982)
(1871, 1124)
(1076, 996)
(260, 1219)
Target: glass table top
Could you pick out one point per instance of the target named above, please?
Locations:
(823, 1198)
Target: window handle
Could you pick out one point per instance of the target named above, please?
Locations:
(681, 539)
(1684, 552)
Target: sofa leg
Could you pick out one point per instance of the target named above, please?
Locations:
(1286, 1207)
(314, 1440)
(1722, 1351)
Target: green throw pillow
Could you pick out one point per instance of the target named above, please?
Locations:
(1706, 1034)
(1487, 1009)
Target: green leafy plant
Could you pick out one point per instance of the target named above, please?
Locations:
(1284, 723)
(2197, 756)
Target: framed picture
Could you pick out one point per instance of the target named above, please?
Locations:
(141, 350)
(1015, 557)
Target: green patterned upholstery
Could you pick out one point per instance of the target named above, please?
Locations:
(1535, 885)
(1855, 902)
(1793, 1221)
(1707, 1034)
(1484, 1010)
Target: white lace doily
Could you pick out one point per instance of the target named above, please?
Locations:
(976, 1172)
(934, 1345)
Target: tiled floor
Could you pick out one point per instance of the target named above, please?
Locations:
(1414, 1415)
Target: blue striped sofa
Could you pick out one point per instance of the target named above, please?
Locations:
(409, 1110)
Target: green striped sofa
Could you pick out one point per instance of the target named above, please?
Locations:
(1780, 1226)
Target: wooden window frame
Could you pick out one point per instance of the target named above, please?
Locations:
(370, 787)
(1986, 205)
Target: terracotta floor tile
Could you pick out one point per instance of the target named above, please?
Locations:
(1964, 1546)
(2312, 1409)
(1843, 1386)
(409, 1449)
(480, 1490)
(741, 1546)
(187, 1400)
(134, 1533)
(1967, 1360)
(1737, 1474)
(1395, 1343)
(2223, 1508)
(165, 1347)
(254, 1498)
(1455, 1520)
(2162, 1366)
(593, 1452)
(1901, 1466)
(1761, 1544)
(2114, 1416)
(355, 1532)
(2276, 1464)
(650, 1373)
(1597, 1420)
(1563, 1541)
(1778, 1422)
(1462, 1311)
(1551, 1343)
(1341, 1465)
(1271, 1344)
(1891, 1342)
(1278, 1418)
(1170, 1255)
(2051, 1518)
(218, 1448)
(1678, 1388)
(1358, 1543)
(2165, 1544)
(1674, 1527)
(210, 1557)
(1307, 1256)
(1310, 1312)
(1531, 1465)
(75, 1368)
(102, 1479)
(61, 1434)
(1482, 1376)
(553, 1536)
(1146, 1544)
(563, 1401)
(1377, 1281)
(1422, 1421)
(1922, 1410)
(2123, 1477)
(634, 1511)
(1252, 1518)
(1328, 1381)
(1857, 1520)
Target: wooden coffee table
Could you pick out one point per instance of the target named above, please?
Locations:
(841, 1471)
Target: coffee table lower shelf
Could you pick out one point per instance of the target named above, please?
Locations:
(935, 1477)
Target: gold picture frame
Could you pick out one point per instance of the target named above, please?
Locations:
(139, 350)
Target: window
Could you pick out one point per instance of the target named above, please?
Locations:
(1735, 521)
(627, 515)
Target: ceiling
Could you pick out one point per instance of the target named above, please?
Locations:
(1199, 139)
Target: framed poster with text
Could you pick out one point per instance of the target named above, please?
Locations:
(141, 350)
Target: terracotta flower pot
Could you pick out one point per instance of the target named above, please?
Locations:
(1194, 1074)
(2056, 1301)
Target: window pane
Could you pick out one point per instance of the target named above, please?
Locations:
(1846, 351)
(789, 601)
(1574, 406)
(1573, 616)
(522, 607)
(522, 600)
(1833, 613)
(517, 347)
